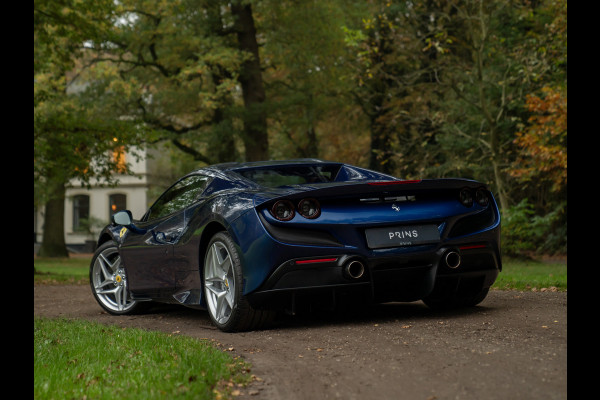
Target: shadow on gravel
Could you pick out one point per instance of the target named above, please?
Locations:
(371, 314)
(313, 317)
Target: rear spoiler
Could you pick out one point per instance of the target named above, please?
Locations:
(364, 188)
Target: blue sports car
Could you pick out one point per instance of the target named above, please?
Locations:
(244, 240)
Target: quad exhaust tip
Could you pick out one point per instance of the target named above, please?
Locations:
(354, 269)
(452, 259)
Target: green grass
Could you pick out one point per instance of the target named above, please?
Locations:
(61, 270)
(80, 359)
(529, 275)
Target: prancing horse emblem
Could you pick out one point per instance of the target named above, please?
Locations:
(395, 207)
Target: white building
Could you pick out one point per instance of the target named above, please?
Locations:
(96, 205)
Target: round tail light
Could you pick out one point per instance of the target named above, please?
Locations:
(309, 208)
(283, 210)
(481, 197)
(466, 197)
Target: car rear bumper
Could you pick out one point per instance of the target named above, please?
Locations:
(383, 277)
(280, 263)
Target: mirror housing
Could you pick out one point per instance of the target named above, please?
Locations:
(124, 218)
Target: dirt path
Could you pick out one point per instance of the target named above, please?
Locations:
(514, 345)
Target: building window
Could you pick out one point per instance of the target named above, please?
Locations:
(81, 211)
(116, 202)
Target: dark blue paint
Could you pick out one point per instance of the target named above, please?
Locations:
(164, 261)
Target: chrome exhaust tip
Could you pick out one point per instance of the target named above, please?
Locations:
(354, 269)
(452, 259)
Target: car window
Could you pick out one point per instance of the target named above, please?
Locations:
(179, 196)
(275, 176)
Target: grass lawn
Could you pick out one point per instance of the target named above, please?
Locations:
(61, 270)
(532, 275)
(80, 359)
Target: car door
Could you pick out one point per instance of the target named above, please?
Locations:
(147, 252)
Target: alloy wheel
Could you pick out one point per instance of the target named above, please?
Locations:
(109, 282)
(219, 282)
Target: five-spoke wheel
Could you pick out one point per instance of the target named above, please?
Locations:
(219, 282)
(227, 306)
(109, 281)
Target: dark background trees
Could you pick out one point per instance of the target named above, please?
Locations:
(434, 88)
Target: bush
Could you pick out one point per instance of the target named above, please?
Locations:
(523, 232)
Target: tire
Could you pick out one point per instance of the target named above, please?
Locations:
(108, 281)
(476, 298)
(228, 308)
(444, 300)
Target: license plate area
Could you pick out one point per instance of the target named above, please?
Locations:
(401, 236)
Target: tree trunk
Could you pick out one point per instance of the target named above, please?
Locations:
(53, 241)
(311, 149)
(255, 121)
(382, 142)
(502, 198)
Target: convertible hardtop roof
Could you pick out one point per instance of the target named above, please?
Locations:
(234, 173)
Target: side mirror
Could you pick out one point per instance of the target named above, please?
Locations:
(122, 218)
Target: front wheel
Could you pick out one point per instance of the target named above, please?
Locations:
(108, 281)
(228, 308)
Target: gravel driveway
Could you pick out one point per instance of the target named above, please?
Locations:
(512, 346)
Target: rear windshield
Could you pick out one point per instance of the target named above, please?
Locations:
(275, 176)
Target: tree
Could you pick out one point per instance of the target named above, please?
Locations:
(444, 83)
(74, 138)
(183, 63)
(506, 68)
(256, 139)
(396, 87)
(540, 165)
(305, 72)
(543, 142)
(483, 89)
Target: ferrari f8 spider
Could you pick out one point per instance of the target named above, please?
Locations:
(243, 240)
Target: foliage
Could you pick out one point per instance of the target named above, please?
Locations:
(181, 64)
(524, 232)
(305, 73)
(91, 226)
(73, 138)
(475, 89)
(541, 167)
(75, 128)
(180, 72)
(394, 86)
(543, 143)
(79, 359)
(484, 74)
